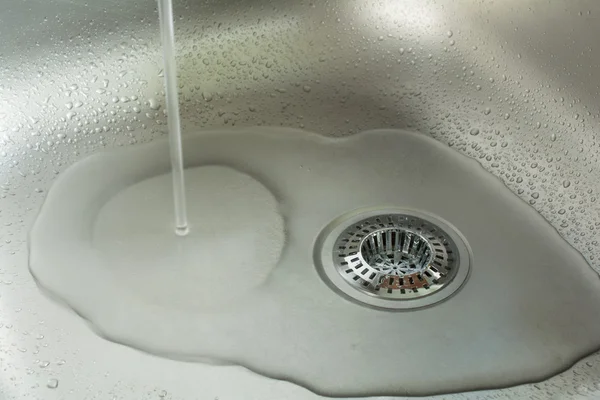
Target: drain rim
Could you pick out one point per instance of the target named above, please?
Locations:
(328, 270)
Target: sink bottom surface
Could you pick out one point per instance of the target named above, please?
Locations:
(257, 299)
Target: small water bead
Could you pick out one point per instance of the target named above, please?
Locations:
(52, 383)
(153, 103)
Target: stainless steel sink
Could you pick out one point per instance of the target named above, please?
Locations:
(512, 84)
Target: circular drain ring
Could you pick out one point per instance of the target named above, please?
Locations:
(435, 261)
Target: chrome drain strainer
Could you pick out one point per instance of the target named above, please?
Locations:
(393, 259)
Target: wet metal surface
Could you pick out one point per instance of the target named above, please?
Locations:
(513, 84)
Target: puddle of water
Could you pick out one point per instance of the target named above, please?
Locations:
(242, 287)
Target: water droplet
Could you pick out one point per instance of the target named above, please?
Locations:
(535, 195)
(582, 390)
(553, 137)
(44, 364)
(487, 111)
(306, 89)
(154, 105)
(52, 383)
(449, 34)
(566, 183)
(474, 132)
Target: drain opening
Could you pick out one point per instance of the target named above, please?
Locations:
(393, 260)
(396, 251)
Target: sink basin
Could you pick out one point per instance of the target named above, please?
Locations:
(512, 84)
